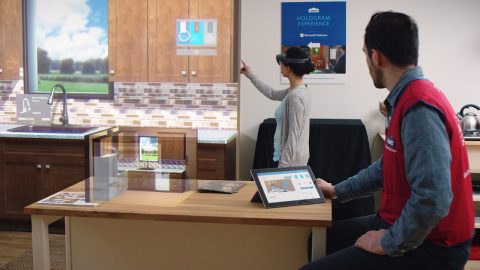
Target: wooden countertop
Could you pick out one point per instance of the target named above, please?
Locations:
(192, 206)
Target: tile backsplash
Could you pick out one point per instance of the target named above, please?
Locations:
(199, 105)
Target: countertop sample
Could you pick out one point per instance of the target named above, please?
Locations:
(215, 136)
(204, 135)
(79, 136)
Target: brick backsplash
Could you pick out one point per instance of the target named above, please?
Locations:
(209, 106)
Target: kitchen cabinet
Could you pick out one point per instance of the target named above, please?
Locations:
(32, 169)
(127, 40)
(474, 264)
(473, 151)
(165, 64)
(216, 161)
(142, 41)
(11, 54)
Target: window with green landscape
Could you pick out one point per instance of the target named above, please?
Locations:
(67, 43)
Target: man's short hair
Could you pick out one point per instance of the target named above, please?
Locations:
(395, 35)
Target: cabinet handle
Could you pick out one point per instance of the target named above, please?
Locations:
(112, 72)
(184, 73)
(1, 70)
(194, 73)
(39, 166)
(47, 166)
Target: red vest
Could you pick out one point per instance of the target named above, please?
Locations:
(458, 225)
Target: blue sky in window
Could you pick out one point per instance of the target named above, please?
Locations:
(99, 15)
(72, 28)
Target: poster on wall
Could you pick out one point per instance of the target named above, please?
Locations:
(320, 29)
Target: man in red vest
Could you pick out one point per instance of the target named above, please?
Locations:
(426, 217)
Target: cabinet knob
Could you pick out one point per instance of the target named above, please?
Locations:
(112, 72)
(39, 166)
(194, 73)
(184, 73)
(47, 166)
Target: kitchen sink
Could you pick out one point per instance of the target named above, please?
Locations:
(52, 129)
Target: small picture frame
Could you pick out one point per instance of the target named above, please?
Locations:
(148, 149)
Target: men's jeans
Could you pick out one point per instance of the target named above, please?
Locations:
(343, 255)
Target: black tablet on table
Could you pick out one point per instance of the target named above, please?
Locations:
(289, 186)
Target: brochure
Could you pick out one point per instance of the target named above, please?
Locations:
(68, 198)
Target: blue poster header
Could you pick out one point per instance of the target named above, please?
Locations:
(316, 22)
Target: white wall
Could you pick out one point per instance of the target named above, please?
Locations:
(449, 54)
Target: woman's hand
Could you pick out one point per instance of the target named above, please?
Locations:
(245, 70)
(327, 189)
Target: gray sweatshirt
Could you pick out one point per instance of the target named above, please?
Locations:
(296, 122)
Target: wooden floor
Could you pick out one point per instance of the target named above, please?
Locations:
(13, 244)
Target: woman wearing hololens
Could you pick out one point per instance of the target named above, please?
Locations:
(293, 114)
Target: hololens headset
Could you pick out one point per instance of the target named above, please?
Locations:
(282, 59)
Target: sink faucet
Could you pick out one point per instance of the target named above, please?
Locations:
(64, 118)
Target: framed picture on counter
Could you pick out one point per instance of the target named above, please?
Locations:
(148, 149)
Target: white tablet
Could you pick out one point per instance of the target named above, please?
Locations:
(279, 187)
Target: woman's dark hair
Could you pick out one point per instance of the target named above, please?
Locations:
(298, 69)
(395, 35)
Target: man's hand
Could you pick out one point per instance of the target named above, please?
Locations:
(327, 189)
(370, 241)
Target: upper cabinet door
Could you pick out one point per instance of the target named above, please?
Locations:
(11, 41)
(216, 68)
(163, 62)
(127, 40)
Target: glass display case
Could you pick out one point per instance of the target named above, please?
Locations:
(142, 158)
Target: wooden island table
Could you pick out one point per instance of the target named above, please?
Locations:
(181, 230)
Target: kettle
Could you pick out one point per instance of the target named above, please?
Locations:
(469, 121)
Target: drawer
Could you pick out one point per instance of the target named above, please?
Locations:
(45, 147)
(216, 161)
(209, 164)
(211, 152)
(210, 175)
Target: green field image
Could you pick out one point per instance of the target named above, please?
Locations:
(74, 83)
(149, 156)
(148, 148)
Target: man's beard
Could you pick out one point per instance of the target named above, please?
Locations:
(377, 78)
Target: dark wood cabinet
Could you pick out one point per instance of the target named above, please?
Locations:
(216, 161)
(32, 169)
(24, 183)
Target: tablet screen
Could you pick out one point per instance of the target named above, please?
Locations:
(287, 186)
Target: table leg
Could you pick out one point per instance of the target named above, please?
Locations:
(319, 242)
(40, 242)
(68, 254)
